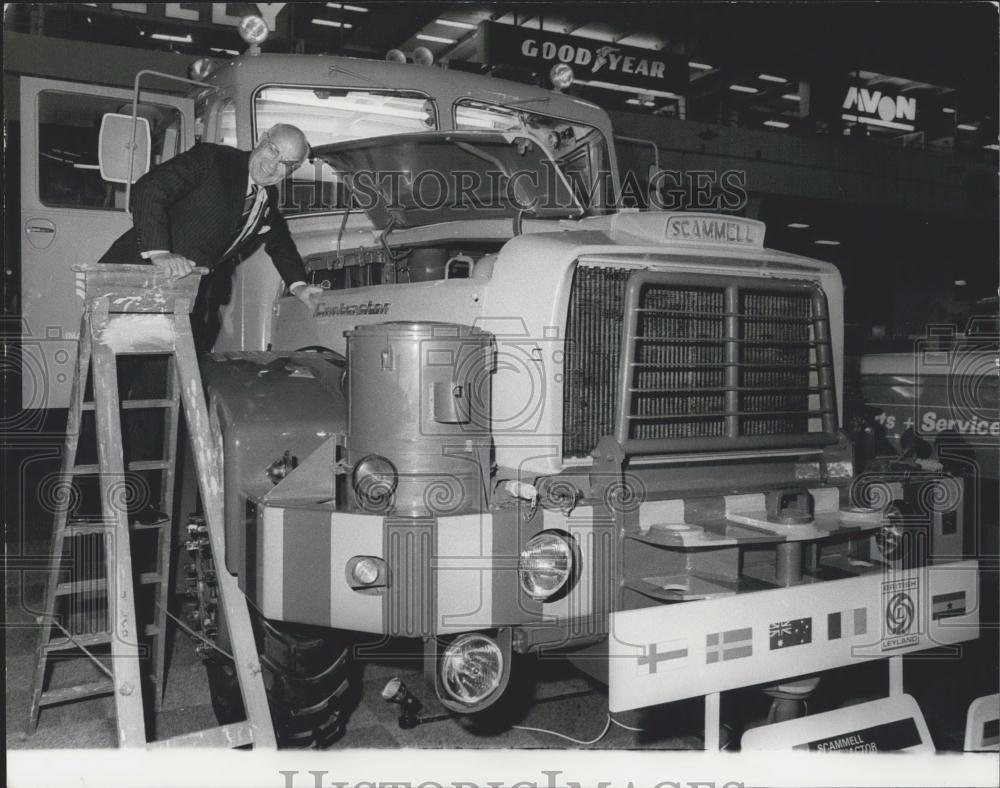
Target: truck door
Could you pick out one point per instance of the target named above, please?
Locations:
(70, 215)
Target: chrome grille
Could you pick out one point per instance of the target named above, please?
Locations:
(709, 363)
(593, 347)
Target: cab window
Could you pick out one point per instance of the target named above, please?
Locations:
(328, 115)
(69, 125)
(580, 150)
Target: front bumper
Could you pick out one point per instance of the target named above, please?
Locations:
(671, 652)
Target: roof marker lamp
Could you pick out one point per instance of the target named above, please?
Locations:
(546, 565)
(471, 668)
(201, 68)
(253, 30)
(422, 56)
(561, 76)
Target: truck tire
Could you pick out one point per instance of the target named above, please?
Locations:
(309, 675)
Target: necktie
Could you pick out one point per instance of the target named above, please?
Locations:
(249, 203)
(245, 220)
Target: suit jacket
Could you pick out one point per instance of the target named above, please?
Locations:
(192, 205)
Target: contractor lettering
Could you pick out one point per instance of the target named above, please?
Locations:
(333, 310)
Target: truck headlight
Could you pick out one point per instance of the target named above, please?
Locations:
(374, 480)
(546, 564)
(367, 571)
(471, 668)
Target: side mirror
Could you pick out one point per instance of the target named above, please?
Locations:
(115, 144)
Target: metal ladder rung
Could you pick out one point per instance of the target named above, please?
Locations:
(81, 586)
(235, 734)
(135, 465)
(136, 404)
(148, 526)
(101, 584)
(65, 644)
(86, 529)
(148, 465)
(77, 692)
(89, 529)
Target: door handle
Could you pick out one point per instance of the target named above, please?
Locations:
(40, 232)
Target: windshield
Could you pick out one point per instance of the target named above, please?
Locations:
(580, 151)
(408, 180)
(330, 115)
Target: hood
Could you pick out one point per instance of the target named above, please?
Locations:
(410, 180)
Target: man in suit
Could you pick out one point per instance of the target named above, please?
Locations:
(205, 206)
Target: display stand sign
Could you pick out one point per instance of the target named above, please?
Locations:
(887, 724)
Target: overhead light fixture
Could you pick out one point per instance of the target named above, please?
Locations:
(165, 37)
(776, 124)
(436, 39)
(960, 283)
(633, 101)
(949, 110)
(356, 8)
(611, 86)
(772, 78)
(792, 97)
(453, 23)
(223, 51)
(825, 242)
(798, 225)
(886, 124)
(742, 88)
(992, 146)
(700, 66)
(966, 127)
(332, 23)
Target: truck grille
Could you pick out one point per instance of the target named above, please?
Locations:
(593, 346)
(709, 363)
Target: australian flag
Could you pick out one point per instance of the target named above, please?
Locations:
(783, 634)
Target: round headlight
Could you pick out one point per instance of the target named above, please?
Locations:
(561, 76)
(365, 572)
(546, 564)
(253, 30)
(375, 480)
(471, 668)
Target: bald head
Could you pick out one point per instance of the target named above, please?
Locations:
(279, 152)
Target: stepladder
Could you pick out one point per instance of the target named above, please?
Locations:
(109, 578)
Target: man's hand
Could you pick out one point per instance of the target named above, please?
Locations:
(307, 294)
(174, 265)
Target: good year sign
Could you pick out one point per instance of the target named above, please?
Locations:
(591, 60)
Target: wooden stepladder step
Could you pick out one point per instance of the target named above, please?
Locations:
(90, 602)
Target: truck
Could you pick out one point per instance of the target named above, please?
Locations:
(519, 420)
